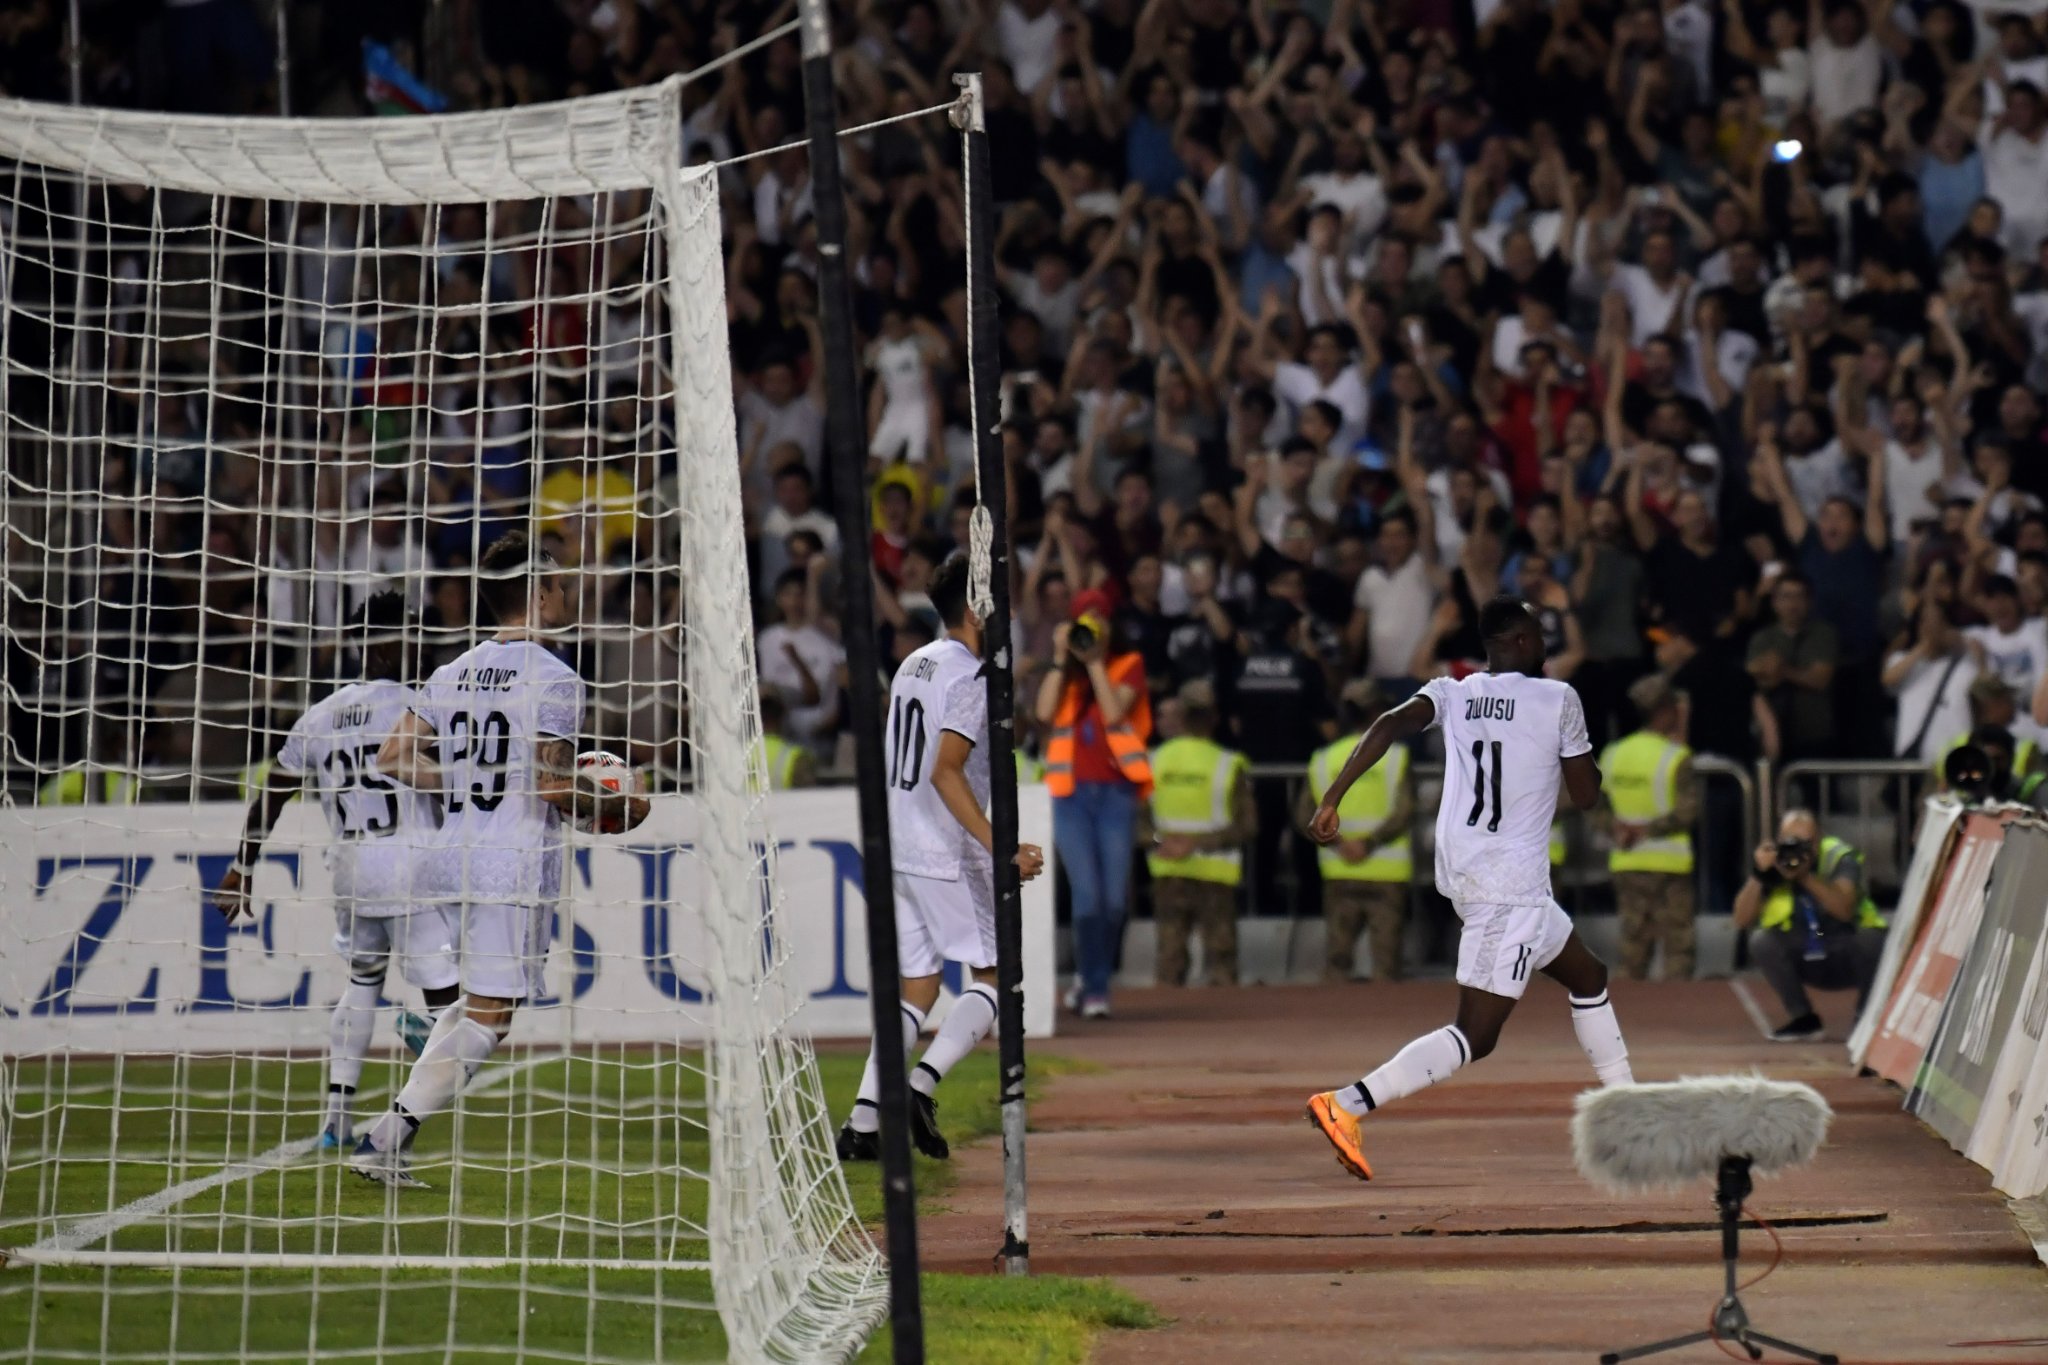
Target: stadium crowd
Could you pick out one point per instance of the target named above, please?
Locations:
(1719, 332)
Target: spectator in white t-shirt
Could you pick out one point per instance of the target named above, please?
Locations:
(1655, 290)
(1028, 34)
(774, 410)
(802, 663)
(1392, 605)
(2016, 168)
(1049, 292)
(1916, 462)
(1228, 195)
(794, 510)
(1816, 469)
(1317, 261)
(1354, 190)
(1848, 63)
(1930, 676)
(2011, 644)
(1325, 374)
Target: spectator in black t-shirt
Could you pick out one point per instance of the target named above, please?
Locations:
(1283, 714)
(1725, 721)
(1708, 667)
(1742, 297)
(1892, 237)
(1143, 626)
(1658, 384)
(1694, 579)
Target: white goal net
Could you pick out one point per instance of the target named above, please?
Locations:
(255, 377)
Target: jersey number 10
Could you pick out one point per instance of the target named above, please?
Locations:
(1479, 756)
(906, 743)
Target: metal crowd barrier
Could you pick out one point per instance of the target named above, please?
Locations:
(1872, 803)
(1582, 882)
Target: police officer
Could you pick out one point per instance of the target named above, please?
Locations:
(1653, 801)
(1367, 871)
(1814, 924)
(1196, 823)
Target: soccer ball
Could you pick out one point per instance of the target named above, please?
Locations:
(613, 774)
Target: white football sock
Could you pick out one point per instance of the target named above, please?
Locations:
(1600, 1035)
(348, 1042)
(455, 1049)
(1424, 1062)
(974, 1014)
(867, 1116)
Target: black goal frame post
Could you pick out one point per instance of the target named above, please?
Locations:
(846, 445)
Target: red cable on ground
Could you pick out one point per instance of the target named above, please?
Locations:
(1777, 1256)
(1777, 1249)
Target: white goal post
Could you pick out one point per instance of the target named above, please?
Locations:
(251, 373)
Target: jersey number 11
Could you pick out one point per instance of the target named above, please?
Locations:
(1479, 755)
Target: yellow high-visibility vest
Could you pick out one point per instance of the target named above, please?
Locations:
(1030, 772)
(1777, 908)
(254, 779)
(1641, 772)
(2022, 754)
(778, 760)
(1192, 780)
(1364, 809)
(108, 787)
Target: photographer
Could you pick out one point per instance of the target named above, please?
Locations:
(1814, 923)
(1983, 766)
(1099, 716)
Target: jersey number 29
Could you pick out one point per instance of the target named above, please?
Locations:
(482, 741)
(1479, 757)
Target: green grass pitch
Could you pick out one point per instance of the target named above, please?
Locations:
(571, 1157)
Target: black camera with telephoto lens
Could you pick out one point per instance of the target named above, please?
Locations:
(1084, 632)
(1794, 855)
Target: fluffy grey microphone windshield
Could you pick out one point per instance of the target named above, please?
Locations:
(1658, 1134)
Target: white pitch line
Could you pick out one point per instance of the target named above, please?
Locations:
(1749, 1006)
(83, 1234)
(244, 1260)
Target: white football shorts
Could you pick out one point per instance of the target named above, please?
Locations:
(503, 950)
(905, 430)
(422, 939)
(939, 921)
(1502, 946)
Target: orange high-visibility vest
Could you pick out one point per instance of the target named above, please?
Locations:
(1126, 738)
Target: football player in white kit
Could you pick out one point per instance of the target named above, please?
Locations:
(1509, 735)
(378, 827)
(942, 848)
(493, 734)
(903, 409)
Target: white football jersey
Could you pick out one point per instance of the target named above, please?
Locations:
(938, 688)
(499, 843)
(378, 823)
(1505, 738)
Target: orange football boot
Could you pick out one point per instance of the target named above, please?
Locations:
(1330, 1119)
